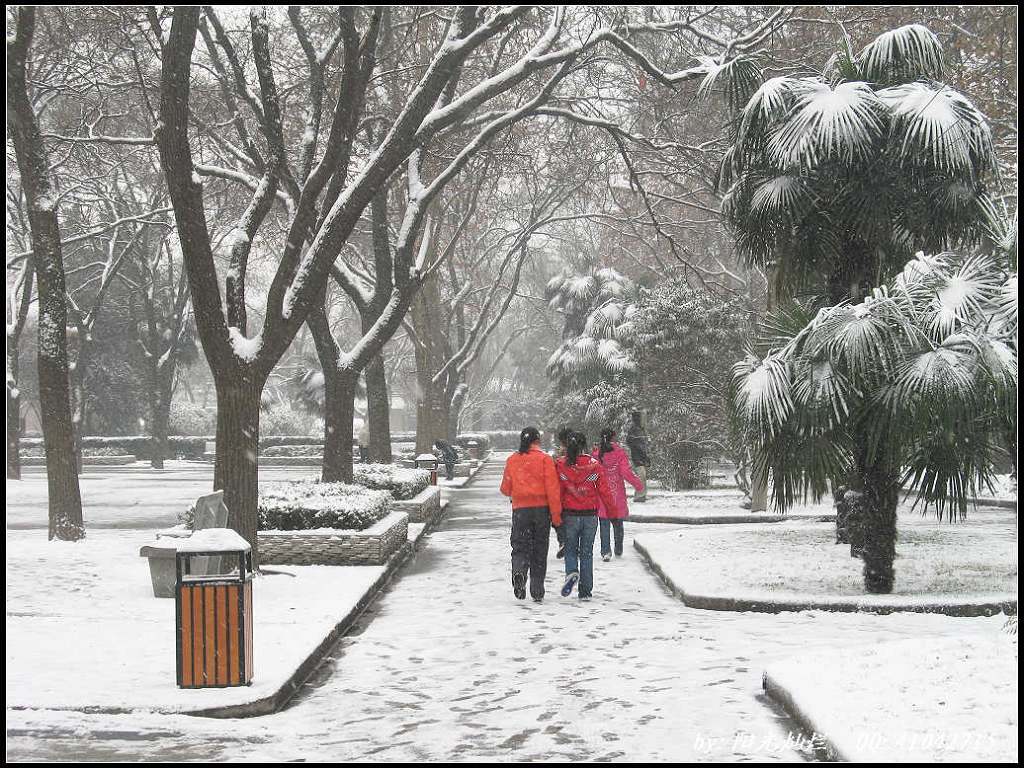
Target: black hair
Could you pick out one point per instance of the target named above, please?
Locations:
(607, 435)
(576, 444)
(562, 435)
(528, 437)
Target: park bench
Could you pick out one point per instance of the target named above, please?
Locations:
(209, 512)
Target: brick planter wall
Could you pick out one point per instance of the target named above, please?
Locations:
(423, 507)
(372, 546)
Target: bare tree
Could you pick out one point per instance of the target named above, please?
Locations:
(65, 500)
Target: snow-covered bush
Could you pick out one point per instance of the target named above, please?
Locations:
(305, 505)
(191, 419)
(284, 419)
(483, 440)
(292, 450)
(402, 483)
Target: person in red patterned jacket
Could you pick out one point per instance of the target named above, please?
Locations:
(584, 487)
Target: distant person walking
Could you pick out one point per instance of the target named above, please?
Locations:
(636, 439)
(532, 484)
(584, 487)
(616, 466)
(449, 456)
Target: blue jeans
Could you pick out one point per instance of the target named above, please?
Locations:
(607, 526)
(580, 531)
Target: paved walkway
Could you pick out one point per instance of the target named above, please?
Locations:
(447, 665)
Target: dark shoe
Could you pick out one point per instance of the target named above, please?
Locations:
(561, 551)
(585, 598)
(606, 556)
(538, 599)
(519, 585)
(570, 582)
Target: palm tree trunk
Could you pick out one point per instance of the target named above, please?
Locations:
(878, 511)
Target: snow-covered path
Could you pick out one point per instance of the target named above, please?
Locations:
(447, 665)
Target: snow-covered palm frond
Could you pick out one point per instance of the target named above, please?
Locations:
(998, 359)
(613, 357)
(841, 123)
(822, 390)
(944, 373)
(580, 287)
(763, 397)
(906, 53)
(769, 105)
(736, 78)
(786, 198)
(1004, 312)
(863, 336)
(963, 294)
(935, 126)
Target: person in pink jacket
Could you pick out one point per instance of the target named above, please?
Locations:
(618, 470)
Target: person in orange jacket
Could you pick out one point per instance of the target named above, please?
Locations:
(532, 484)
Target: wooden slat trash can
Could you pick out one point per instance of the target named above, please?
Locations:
(214, 611)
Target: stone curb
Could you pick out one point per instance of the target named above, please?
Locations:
(1004, 604)
(784, 698)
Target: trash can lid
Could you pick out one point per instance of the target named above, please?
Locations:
(214, 540)
(426, 457)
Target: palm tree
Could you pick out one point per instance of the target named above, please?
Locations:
(909, 388)
(598, 306)
(837, 180)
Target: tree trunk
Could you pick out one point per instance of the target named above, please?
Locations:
(457, 401)
(339, 412)
(378, 411)
(13, 414)
(758, 489)
(76, 376)
(431, 417)
(238, 435)
(159, 418)
(65, 499)
(878, 523)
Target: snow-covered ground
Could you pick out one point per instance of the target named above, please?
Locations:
(974, 557)
(135, 496)
(922, 700)
(84, 630)
(709, 503)
(448, 666)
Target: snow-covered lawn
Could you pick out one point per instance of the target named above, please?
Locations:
(974, 557)
(84, 630)
(923, 700)
(135, 496)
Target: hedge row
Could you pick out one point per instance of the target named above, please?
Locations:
(400, 482)
(139, 446)
(307, 505)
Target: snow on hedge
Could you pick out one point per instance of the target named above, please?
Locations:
(311, 505)
(401, 482)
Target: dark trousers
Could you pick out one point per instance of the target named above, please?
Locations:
(531, 532)
(606, 539)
